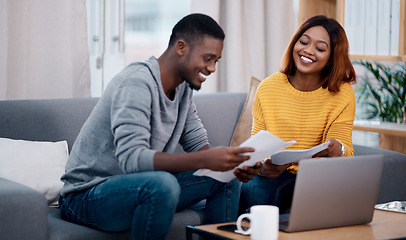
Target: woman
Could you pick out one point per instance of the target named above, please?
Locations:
(310, 100)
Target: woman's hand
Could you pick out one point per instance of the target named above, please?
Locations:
(333, 150)
(271, 170)
(247, 173)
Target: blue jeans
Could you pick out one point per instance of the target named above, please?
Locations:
(269, 191)
(146, 202)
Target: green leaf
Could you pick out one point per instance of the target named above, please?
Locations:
(383, 89)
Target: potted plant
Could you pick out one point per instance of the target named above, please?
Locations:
(383, 91)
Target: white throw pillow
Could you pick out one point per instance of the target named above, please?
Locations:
(38, 165)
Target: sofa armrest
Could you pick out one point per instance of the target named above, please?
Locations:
(393, 182)
(23, 212)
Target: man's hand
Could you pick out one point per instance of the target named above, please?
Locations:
(247, 173)
(333, 150)
(216, 159)
(225, 158)
(271, 170)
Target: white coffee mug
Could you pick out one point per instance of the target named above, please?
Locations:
(264, 222)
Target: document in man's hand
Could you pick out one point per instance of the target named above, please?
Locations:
(264, 143)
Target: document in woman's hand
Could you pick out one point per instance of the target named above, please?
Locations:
(292, 156)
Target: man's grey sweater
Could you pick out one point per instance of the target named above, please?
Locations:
(132, 121)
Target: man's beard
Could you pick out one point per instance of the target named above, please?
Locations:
(193, 86)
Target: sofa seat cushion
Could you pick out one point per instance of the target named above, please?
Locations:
(60, 229)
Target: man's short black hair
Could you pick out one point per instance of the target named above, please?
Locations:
(194, 27)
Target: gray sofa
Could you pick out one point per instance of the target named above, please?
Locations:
(24, 213)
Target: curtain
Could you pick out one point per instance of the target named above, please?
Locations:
(43, 49)
(257, 33)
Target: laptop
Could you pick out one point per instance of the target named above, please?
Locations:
(334, 192)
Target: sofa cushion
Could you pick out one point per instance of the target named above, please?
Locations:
(393, 182)
(243, 129)
(38, 165)
(23, 212)
(50, 120)
(63, 230)
(219, 113)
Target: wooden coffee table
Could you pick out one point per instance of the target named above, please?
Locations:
(385, 225)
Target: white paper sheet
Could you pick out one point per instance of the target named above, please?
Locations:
(292, 156)
(264, 143)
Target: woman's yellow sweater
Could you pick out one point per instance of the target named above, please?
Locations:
(310, 118)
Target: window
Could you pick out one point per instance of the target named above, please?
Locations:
(124, 31)
(148, 25)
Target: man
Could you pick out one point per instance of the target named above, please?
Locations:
(123, 173)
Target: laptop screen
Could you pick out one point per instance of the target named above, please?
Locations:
(334, 192)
